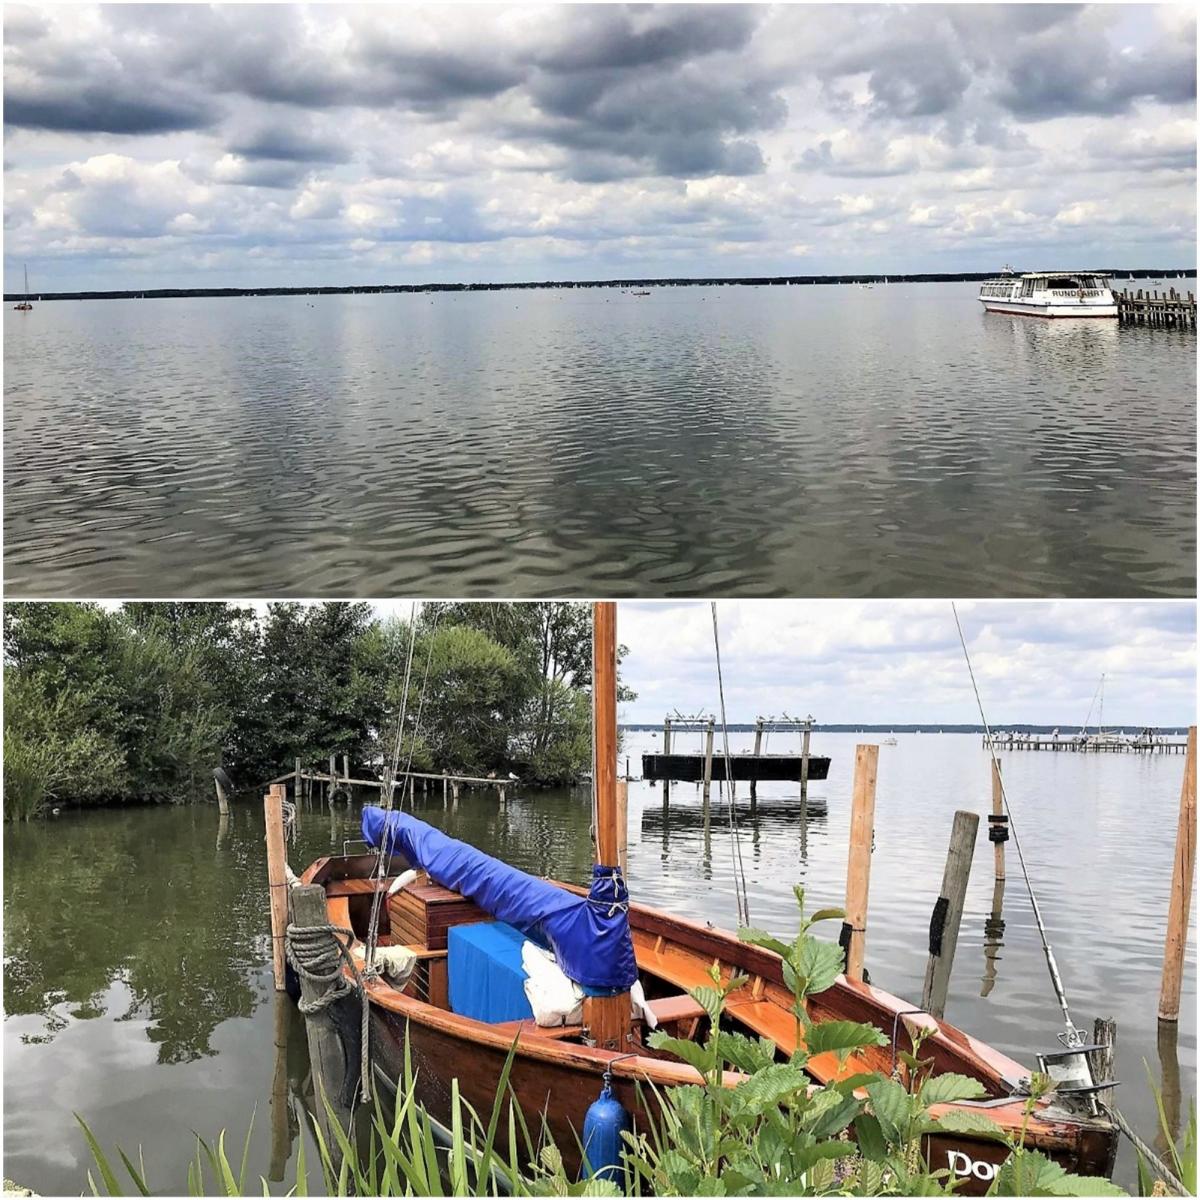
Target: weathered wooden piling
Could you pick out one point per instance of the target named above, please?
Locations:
(222, 798)
(999, 820)
(858, 870)
(1181, 889)
(666, 750)
(758, 735)
(947, 913)
(277, 880)
(804, 770)
(332, 778)
(298, 786)
(1104, 1035)
(708, 757)
(325, 1050)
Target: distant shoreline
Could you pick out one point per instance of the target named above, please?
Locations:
(558, 285)
(1003, 727)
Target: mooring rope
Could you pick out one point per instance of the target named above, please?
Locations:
(317, 954)
(739, 867)
(1163, 1171)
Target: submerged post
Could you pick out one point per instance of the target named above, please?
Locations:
(1181, 889)
(998, 824)
(281, 1134)
(947, 913)
(277, 880)
(858, 872)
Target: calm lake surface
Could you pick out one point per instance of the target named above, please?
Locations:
(137, 977)
(829, 441)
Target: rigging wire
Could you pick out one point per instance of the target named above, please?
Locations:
(1072, 1038)
(739, 867)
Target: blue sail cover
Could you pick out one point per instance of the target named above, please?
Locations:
(590, 937)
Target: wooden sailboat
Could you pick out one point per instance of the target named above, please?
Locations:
(25, 306)
(558, 1071)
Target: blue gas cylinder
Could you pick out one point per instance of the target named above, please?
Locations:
(602, 1141)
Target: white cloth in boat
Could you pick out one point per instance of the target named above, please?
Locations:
(558, 1000)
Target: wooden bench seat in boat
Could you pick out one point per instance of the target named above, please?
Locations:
(760, 1016)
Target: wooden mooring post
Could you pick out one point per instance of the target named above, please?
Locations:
(758, 734)
(804, 770)
(998, 823)
(666, 750)
(281, 1132)
(1104, 1035)
(325, 1049)
(708, 757)
(277, 880)
(298, 786)
(623, 825)
(858, 869)
(222, 798)
(947, 913)
(1181, 889)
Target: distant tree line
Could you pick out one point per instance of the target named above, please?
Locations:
(140, 703)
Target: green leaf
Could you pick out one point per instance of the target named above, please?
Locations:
(946, 1089)
(841, 1036)
(839, 1115)
(772, 1084)
(889, 1102)
(827, 914)
(697, 1056)
(106, 1172)
(1031, 1173)
(760, 937)
(961, 1120)
(744, 1053)
(820, 964)
(869, 1136)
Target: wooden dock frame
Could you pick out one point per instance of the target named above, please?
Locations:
(1075, 743)
(302, 780)
(1167, 311)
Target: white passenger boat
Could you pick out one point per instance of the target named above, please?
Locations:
(1050, 294)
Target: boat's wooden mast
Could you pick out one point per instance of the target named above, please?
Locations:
(607, 1017)
(604, 731)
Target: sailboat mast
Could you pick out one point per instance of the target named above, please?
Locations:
(606, 1018)
(604, 730)
(26, 266)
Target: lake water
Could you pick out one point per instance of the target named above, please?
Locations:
(137, 977)
(826, 441)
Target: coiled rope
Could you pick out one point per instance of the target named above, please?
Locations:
(318, 954)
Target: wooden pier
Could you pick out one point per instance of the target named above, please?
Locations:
(335, 781)
(1078, 743)
(1168, 310)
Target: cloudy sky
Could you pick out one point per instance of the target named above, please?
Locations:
(901, 661)
(178, 145)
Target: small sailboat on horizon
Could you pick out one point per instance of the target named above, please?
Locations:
(24, 306)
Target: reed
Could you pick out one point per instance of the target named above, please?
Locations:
(1180, 1151)
(31, 773)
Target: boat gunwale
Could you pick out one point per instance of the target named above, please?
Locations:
(1050, 1130)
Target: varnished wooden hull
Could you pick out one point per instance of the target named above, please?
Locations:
(558, 1080)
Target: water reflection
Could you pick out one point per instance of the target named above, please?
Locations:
(774, 441)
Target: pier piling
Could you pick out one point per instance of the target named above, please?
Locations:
(708, 754)
(1181, 889)
(758, 732)
(998, 825)
(947, 913)
(222, 798)
(666, 750)
(804, 769)
(277, 880)
(1104, 1035)
(858, 871)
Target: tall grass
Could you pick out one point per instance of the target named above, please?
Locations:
(31, 773)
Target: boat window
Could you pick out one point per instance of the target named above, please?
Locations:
(1063, 283)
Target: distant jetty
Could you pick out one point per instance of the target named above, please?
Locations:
(561, 285)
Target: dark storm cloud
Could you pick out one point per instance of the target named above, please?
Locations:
(1080, 72)
(285, 143)
(625, 37)
(101, 108)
